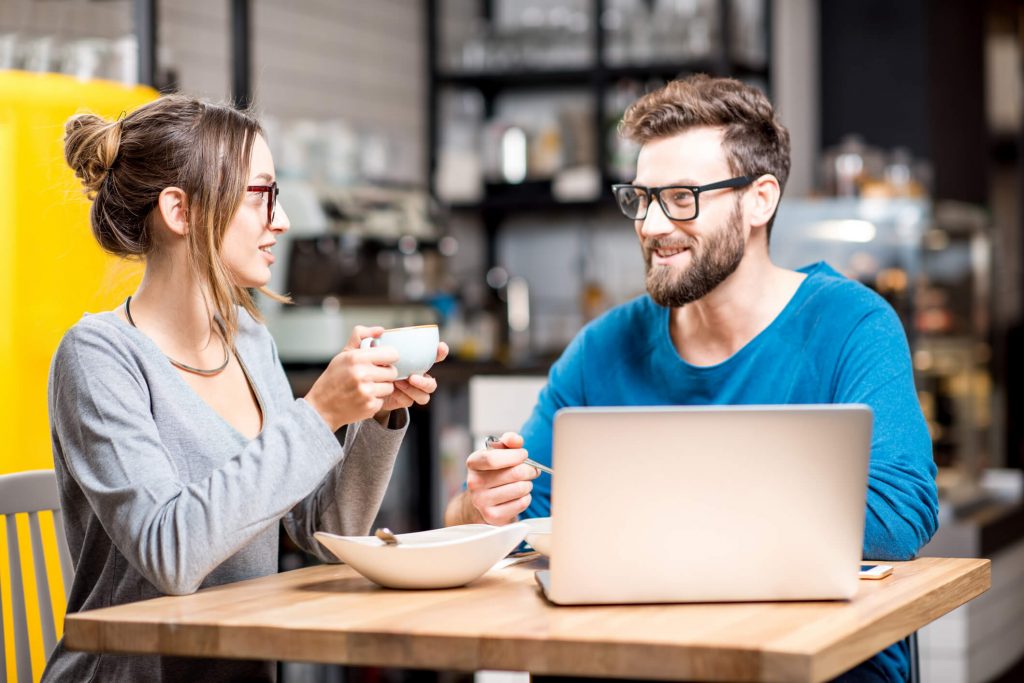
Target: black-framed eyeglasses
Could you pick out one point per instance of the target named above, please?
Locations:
(271, 191)
(678, 202)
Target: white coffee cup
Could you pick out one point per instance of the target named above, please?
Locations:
(416, 346)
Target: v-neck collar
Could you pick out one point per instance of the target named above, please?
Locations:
(188, 388)
(667, 344)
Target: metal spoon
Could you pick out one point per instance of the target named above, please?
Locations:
(493, 441)
(384, 534)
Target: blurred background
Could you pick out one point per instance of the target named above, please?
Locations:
(449, 160)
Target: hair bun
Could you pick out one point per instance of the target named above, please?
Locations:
(91, 144)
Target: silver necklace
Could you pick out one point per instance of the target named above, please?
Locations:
(183, 366)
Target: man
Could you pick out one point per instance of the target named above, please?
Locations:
(722, 324)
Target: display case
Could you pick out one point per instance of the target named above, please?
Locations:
(931, 261)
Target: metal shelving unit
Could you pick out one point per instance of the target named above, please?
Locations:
(145, 16)
(500, 201)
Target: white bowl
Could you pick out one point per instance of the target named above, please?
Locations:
(439, 558)
(539, 535)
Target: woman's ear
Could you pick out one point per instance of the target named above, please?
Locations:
(172, 204)
(765, 194)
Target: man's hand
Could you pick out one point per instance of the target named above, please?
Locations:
(498, 484)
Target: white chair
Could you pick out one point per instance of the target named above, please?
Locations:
(29, 493)
(497, 404)
(501, 403)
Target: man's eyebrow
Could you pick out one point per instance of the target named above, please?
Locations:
(683, 181)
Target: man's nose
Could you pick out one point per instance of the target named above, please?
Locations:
(656, 222)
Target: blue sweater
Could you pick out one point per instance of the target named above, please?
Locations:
(836, 341)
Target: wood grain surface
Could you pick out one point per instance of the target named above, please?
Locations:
(501, 621)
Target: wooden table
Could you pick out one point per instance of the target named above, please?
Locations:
(331, 614)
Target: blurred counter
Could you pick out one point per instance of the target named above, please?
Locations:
(981, 640)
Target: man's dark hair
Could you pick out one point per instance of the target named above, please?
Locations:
(755, 142)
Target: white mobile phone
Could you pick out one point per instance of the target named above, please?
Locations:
(875, 571)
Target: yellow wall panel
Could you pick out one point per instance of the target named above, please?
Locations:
(51, 272)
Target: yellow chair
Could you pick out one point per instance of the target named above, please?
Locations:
(30, 493)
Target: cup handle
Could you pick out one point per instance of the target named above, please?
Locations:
(369, 343)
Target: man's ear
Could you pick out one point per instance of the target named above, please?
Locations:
(762, 200)
(173, 207)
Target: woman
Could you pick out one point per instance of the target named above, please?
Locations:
(177, 443)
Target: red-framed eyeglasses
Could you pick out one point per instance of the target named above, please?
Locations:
(271, 191)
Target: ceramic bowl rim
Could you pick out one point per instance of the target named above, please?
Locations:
(367, 541)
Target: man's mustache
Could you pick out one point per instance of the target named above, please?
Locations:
(654, 245)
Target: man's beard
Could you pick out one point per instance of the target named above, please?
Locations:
(718, 258)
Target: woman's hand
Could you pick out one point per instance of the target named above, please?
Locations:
(416, 389)
(357, 381)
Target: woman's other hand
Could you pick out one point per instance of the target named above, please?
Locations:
(358, 382)
(416, 389)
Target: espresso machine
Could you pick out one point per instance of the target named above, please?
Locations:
(353, 256)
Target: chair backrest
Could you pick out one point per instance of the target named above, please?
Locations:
(31, 493)
(501, 403)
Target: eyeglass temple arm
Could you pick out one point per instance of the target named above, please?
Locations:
(732, 182)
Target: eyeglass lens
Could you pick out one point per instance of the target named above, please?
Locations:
(678, 203)
(632, 201)
(271, 202)
(269, 194)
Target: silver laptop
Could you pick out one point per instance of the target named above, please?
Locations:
(707, 504)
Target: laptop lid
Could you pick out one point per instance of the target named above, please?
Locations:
(708, 503)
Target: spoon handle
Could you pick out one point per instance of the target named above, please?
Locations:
(384, 534)
(493, 441)
(542, 468)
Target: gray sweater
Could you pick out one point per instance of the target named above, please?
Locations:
(161, 496)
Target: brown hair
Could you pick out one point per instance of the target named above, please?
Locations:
(755, 142)
(174, 141)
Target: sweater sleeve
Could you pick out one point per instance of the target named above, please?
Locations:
(347, 500)
(173, 531)
(874, 368)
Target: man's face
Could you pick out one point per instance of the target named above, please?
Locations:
(685, 260)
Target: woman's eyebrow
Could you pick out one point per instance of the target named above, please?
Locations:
(263, 176)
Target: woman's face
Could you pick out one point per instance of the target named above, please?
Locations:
(249, 238)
